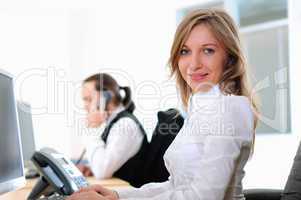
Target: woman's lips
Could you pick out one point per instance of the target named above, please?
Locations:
(198, 76)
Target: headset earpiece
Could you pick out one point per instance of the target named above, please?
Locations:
(105, 98)
(107, 95)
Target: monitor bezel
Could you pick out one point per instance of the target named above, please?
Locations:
(18, 182)
(26, 107)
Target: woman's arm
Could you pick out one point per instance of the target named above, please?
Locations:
(210, 182)
(123, 142)
(214, 142)
(146, 191)
(212, 175)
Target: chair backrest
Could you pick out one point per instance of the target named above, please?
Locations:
(292, 190)
(169, 124)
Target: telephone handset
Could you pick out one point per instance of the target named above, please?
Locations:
(105, 97)
(58, 174)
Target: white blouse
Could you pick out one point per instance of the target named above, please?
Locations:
(206, 159)
(123, 142)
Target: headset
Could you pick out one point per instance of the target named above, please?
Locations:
(105, 98)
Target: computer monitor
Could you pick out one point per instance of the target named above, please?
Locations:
(11, 160)
(27, 132)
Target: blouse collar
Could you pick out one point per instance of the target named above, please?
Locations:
(200, 99)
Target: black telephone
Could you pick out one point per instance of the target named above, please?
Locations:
(105, 98)
(58, 175)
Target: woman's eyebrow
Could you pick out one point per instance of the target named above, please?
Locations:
(210, 44)
(206, 44)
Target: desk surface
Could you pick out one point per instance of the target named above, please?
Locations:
(22, 193)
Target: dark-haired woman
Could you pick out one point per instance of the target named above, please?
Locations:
(117, 153)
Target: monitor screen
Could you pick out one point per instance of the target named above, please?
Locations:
(26, 130)
(11, 163)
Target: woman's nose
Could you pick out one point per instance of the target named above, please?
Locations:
(87, 106)
(195, 62)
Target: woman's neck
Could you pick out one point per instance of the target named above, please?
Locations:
(111, 108)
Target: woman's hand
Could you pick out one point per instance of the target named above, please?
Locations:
(108, 194)
(90, 195)
(85, 170)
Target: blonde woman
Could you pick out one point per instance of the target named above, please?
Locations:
(207, 157)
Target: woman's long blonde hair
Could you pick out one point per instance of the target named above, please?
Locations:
(234, 79)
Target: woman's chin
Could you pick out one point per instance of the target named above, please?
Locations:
(203, 86)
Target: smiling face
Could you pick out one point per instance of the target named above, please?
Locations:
(202, 59)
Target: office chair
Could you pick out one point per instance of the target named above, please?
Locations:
(292, 190)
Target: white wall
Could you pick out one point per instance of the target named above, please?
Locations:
(295, 63)
(32, 41)
(131, 40)
(73, 39)
(274, 154)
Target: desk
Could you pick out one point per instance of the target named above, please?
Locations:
(22, 193)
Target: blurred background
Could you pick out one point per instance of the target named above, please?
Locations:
(51, 46)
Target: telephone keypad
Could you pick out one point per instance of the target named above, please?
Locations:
(80, 181)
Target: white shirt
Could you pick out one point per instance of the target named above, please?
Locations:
(123, 142)
(206, 159)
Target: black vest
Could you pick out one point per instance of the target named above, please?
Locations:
(131, 171)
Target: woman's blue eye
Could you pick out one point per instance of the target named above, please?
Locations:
(183, 51)
(209, 51)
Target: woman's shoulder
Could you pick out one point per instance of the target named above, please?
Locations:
(239, 109)
(220, 103)
(127, 122)
(228, 107)
(236, 103)
(227, 115)
(125, 117)
(239, 101)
